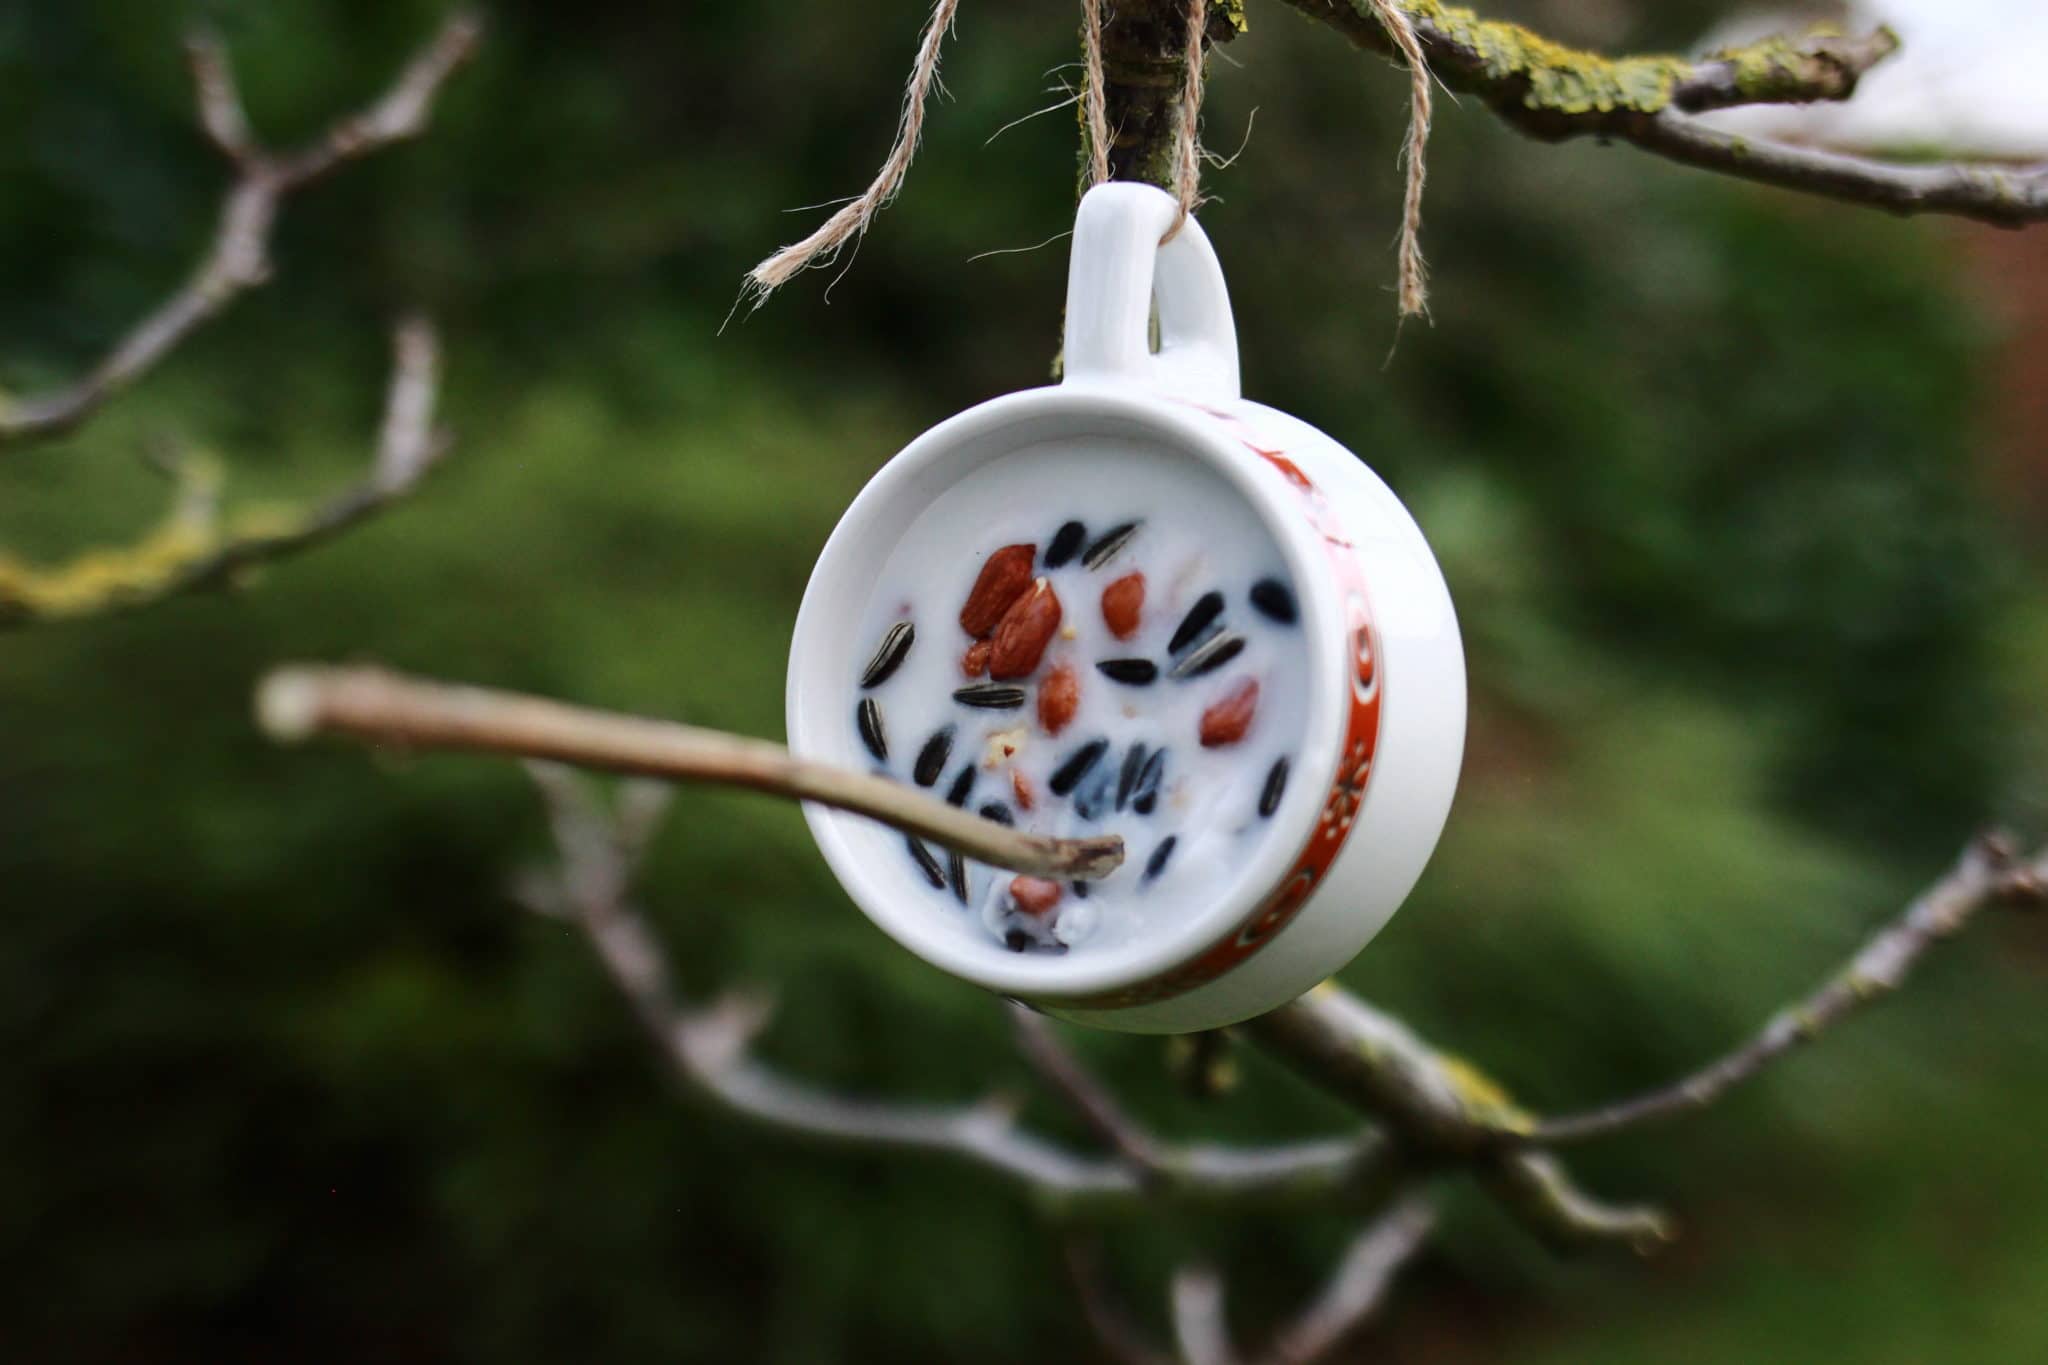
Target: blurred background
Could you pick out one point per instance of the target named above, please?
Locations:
(1741, 496)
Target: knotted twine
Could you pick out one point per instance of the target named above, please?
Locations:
(853, 218)
(1414, 288)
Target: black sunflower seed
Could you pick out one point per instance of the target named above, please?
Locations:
(998, 812)
(896, 642)
(956, 873)
(1218, 648)
(1080, 890)
(1108, 543)
(1093, 795)
(991, 696)
(1076, 767)
(1016, 940)
(1276, 786)
(1200, 617)
(1131, 672)
(931, 759)
(1274, 600)
(1145, 792)
(868, 716)
(1127, 780)
(926, 863)
(956, 795)
(1065, 542)
(1156, 864)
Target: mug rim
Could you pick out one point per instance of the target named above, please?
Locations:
(1006, 424)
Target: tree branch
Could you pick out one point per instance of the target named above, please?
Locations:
(1550, 91)
(1443, 1110)
(1106, 1314)
(1087, 1096)
(1144, 66)
(297, 702)
(708, 1049)
(190, 551)
(1535, 1187)
(1986, 874)
(1358, 1286)
(238, 257)
(2004, 196)
(1377, 1064)
(1200, 1332)
(1354, 1291)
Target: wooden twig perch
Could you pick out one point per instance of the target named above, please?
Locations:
(295, 703)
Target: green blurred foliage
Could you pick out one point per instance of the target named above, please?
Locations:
(292, 1079)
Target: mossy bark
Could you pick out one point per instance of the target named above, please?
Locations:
(1144, 67)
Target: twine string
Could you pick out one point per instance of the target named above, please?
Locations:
(1414, 282)
(1413, 288)
(852, 219)
(1091, 98)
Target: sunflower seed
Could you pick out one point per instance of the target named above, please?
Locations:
(956, 873)
(1145, 792)
(1156, 864)
(926, 863)
(931, 759)
(1080, 889)
(1276, 786)
(1065, 542)
(868, 716)
(956, 795)
(990, 696)
(1127, 780)
(1274, 600)
(1108, 543)
(1131, 672)
(1200, 617)
(889, 654)
(1016, 940)
(1093, 795)
(998, 812)
(1217, 648)
(1074, 769)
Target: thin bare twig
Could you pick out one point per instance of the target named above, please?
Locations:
(1107, 1316)
(708, 1047)
(1086, 1095)
(298, 702)
(1358, 1286)
(238, 256)
(189, 553)
(1535, 1187)
(2002, 195)
(1375, 1062)
(1986, 874)
(1550, 91)
(1353, 1292)
(1200, 1331)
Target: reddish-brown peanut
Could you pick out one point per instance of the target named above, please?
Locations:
(1024, 632)
(1226, 721)
(1003, 579)
(1034, 895)
(1122, 603)
(1059, 696)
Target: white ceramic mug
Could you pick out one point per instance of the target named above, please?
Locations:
(1385, 697)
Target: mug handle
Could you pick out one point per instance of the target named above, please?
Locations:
(1116, 267)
